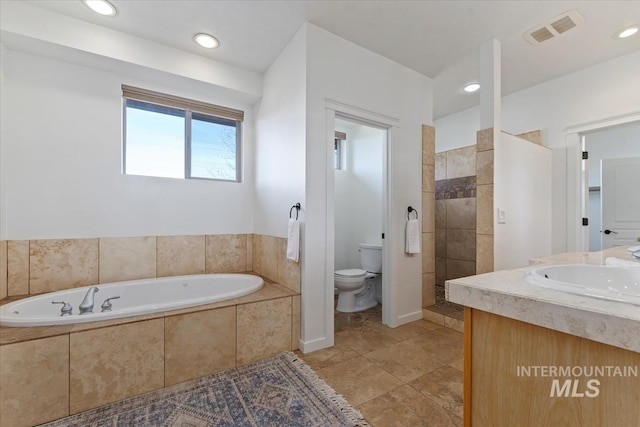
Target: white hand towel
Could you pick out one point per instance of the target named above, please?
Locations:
(412, 245)
(621, 263)
(293, 240)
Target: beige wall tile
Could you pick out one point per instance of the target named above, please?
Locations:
(461, 213)
(428, 212)
(264, 329)
(34, 381)
(441, 166)
(441, 270)
(178, 255)
(3, 269)
(17, 267)
(484, 167)
(441, 243)
(455, 324)
(249, 252)
(461, 162)
(441, 214)
(428, 145)
(199, 344)
(433, 317)
(428, 178)
(226, 253)
(484, 253)
(269, 249)
(288, 270)
(461, 244)
(428, 252)
(127, 258)
(62, 264)
(457, 268)
(484, 139)
(295, 322)
(533, 136)
(114, 363)
(428, 289)
(484, 209)
(257, 253)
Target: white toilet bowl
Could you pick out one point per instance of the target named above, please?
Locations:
(356, 287)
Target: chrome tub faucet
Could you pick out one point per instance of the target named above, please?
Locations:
(86, 307)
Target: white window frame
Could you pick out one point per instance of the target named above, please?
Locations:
(210, 112)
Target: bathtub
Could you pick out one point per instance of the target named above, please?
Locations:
(137, 297)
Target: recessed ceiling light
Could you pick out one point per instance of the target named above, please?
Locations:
(206, 40)
(471, 87)
(627, 32)
(103, 7)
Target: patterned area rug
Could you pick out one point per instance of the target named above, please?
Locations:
(279, 391)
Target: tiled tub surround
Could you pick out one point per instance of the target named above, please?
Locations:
(50, 372)
(30, 267)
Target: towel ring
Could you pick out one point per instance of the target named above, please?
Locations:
(409, 210)
(297, 208)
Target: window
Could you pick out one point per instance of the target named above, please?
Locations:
(174, 137)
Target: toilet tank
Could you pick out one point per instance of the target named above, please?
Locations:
(371, 257)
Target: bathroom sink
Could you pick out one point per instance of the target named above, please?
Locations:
(599, 281)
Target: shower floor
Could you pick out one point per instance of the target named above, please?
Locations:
(442, 306)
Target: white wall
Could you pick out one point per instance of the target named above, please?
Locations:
(280, 136)
(377, 85)
(3, 107)
(358, 195)
(61, 145)
(603, 91)
(612, 143)
(522, 184)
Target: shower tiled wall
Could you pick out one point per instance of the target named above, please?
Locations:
(29, 267)
(428, 216)
(455, 204)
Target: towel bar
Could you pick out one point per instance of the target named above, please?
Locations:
(409, 210)
(296, 207)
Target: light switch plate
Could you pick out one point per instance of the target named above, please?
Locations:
(502, 216)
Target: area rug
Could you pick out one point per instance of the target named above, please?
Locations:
(279, 391)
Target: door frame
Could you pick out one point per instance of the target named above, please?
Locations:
(578, 180)
(368, 118)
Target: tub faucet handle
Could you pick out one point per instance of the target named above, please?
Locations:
(66, 309)
(106, 305)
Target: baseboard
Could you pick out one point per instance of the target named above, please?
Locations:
(313, 345)
(411, 317)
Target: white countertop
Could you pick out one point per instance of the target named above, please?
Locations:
(505, 293)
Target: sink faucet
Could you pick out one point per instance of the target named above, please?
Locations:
(86, 306)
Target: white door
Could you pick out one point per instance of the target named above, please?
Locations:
(620, 189)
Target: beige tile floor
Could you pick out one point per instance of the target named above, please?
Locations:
(405, 376)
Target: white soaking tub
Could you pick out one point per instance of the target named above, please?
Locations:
(136, 297)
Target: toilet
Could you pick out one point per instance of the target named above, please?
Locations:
(357, 287)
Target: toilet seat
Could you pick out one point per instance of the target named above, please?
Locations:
(351, 272)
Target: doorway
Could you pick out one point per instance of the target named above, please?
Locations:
(610, 201)
(343, 113)
(358, 203)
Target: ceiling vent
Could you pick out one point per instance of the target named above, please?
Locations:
(556, 26)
